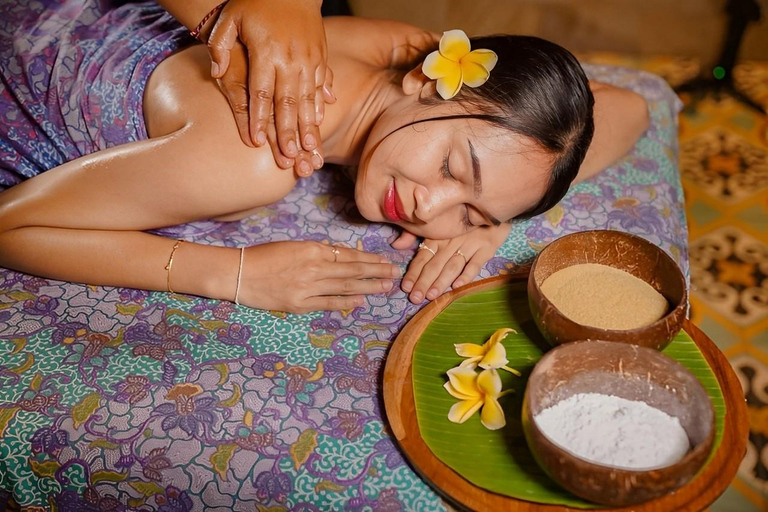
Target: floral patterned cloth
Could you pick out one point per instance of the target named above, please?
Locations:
(117, 399)
(72, 77)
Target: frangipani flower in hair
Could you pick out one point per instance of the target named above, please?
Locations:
(455, 63)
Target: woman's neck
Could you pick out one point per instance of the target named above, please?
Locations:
(348, 122)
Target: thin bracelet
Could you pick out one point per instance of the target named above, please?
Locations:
(239, 275)
(196, 33)
(170, 263)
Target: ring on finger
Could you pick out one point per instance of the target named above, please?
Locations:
(422, 245)
(335, 252)
(459, 253)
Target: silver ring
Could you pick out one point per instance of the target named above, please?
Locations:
(459, 253)
(422, 245)
(335, 252)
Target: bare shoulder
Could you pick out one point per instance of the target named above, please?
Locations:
(381, 42)
(181, 96)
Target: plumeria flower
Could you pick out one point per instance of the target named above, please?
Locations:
(490, 355)
(476, 391)
(454, 64)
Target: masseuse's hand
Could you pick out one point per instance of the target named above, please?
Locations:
(285, 50)
(299, 277)
(429, 275)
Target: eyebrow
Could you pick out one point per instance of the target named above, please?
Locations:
(477, 181)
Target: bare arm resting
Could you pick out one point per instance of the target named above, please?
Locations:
(83, 222)
(621, 118)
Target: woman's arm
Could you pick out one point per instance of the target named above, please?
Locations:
(83, 222)
(621, 118)
(381, 43)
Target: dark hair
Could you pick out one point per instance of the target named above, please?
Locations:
(537, 89)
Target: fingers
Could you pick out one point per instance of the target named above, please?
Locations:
(286, 112)
(404, 241)
(261, 90)
(233, 85)
(281, 160)
(237, 96)
(415, 269)
(448, 276)
(328, 94)
(430, 275)
(222, 39)
(319, 100)
(303, 164)
(354, 286)
(471, 270)
(361, 270)
(306, 113)
(332, 303)
(347, 255)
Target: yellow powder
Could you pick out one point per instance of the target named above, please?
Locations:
(604, 297)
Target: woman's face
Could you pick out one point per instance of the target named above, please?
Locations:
(441, 178)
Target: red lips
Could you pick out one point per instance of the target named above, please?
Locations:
(393, 208)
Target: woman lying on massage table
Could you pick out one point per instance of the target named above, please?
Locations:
(507, 144)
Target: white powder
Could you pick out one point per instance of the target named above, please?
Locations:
(613, 431)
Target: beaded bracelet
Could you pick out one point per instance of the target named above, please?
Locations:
(196, 33)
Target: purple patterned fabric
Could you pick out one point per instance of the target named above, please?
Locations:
(73, 73)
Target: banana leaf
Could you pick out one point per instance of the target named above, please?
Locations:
(500, 460)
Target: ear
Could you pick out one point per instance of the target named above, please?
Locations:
(414, 81)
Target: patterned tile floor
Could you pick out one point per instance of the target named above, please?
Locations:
(724, 167)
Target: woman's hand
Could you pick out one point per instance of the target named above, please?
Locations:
(285, 51)
(456, 261)
(299, 277)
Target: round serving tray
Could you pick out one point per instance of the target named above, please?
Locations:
(401, 413)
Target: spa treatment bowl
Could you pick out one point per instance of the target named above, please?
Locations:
(632, 373)
(625, 252)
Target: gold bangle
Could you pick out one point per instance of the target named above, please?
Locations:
(239, 275)
(170, 263)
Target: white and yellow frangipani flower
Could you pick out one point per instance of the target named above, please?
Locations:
(476, 391)
(490, 355)
(455, 64)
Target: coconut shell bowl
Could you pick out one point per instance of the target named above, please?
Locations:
(632, 373)
(625, 252)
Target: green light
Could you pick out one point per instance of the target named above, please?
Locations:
(719, 72)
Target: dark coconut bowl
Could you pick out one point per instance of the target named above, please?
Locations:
(632, 373)
(625, 252)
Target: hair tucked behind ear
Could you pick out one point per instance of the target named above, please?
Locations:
(537, 89)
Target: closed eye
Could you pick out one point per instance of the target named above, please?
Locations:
(446, 169)
(446, 173)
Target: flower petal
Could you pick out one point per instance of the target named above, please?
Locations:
(489, 383)
(472, 361)
(462, 411)
(456, 394)
(436, 66)
(499, 335)
(464, 380)
(492, 415)
(474, 75)
(469, 349)
(496, 357)
(454, 44)
(449, 86)
(483, 57)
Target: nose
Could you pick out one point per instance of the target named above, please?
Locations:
(431, 204)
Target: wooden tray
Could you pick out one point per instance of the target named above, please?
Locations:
(401, 413)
